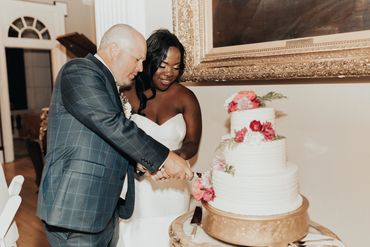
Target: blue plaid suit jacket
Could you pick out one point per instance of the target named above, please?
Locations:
(91, 149)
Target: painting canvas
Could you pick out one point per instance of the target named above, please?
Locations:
(267, 20)
(238, 40)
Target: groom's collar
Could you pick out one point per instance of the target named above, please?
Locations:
(102, 61)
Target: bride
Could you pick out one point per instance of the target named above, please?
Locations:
(170, 113)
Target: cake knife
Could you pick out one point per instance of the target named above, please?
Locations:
(315, 242)
(196, 220)
(312, 245)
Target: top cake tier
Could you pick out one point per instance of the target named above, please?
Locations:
(246, 107)
(241, 119)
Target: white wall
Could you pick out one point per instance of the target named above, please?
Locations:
(154, 19)
(81, 18)
(327, 128)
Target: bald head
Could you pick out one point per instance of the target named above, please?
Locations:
(123, 50)
(124, 36)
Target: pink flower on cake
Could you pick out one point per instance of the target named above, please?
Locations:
(268, 131)
(198, 189)
(243, 100)
(202, 189)
(251, 95)
(255, 125)
(233, 106)
(259, 132)
(209, 195)
(239, 135)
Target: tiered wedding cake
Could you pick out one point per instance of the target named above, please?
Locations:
(255, 188)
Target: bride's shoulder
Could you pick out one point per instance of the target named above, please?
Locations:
(183, 95)
(181, 90)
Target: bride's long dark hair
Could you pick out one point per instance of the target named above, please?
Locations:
(157, 47)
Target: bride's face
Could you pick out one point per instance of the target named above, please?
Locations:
(168, 70)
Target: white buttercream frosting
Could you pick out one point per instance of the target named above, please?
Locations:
(263, 182)
(265, 157)
(241, 119)
(257, 193)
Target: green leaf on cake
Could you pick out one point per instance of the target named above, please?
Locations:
(228, 143)
(221, 146)
(279, 137)
(230, 169)
(270, 96)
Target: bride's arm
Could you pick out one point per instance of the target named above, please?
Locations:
(193, 119)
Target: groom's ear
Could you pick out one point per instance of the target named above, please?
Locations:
(113, 50)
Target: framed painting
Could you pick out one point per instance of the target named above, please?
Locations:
(239, 40)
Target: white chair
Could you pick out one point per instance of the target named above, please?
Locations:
(9, 204)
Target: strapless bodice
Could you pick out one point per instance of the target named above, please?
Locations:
(170, 133)
(157, 203)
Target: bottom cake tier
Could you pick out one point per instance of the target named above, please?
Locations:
(272, 230)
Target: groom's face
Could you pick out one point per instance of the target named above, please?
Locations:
(128, 63)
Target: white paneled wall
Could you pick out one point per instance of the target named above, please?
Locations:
(111, 12)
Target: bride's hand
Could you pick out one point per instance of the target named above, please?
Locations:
(160, 175)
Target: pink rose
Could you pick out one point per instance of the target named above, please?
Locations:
(268, 131)
(197, 184)
(239, 135)
(255, 103)
(247, 100)
(198, 194)
(233, 106)
(255, 125)
(209, 195)
(251, 95)
(197, 189)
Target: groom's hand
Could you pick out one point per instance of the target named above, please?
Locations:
(176, 167)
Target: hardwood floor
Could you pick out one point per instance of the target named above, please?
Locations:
(31, 232)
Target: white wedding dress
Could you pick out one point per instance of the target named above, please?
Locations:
(157, 203)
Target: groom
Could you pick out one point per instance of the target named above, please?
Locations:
(92, 146)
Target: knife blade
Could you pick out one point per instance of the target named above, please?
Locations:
(312, 245)
(315, 242)
(318, 245)
(196, 220)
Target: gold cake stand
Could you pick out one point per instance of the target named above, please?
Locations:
(272, 231)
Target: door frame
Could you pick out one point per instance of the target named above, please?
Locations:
(53, 18)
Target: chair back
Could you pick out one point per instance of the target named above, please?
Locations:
(4, 192)
(9, 205)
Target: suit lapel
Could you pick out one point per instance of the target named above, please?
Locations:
(111, 82)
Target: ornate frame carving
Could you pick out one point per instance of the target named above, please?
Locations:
(345, 57)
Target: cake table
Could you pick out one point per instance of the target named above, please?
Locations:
(181, 228)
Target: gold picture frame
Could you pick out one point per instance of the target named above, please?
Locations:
(337, 56)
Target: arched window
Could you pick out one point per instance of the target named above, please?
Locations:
(28, 27)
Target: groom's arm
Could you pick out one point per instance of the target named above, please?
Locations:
(85, 96)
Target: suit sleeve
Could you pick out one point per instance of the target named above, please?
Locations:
(85, 95)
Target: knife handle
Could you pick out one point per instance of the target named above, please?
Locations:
(194, 231)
